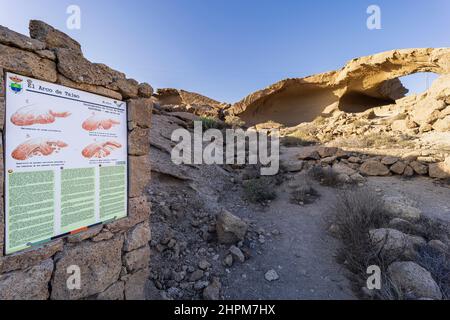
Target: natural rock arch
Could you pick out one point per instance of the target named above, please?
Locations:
(361, 84)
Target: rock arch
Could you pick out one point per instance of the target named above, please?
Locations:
(362, 83)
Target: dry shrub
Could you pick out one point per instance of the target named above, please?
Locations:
(211, 123)
(303, 136)
(259, 190)
(304, 194)
(356, 213)
(325, 175)
(234, 122)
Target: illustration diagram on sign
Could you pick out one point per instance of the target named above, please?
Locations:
(30, 115)
(37, 147)
(100, 149)
(97, 122)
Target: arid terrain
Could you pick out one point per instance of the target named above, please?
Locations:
(364, 180)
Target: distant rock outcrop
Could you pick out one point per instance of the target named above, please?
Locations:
(361, 84)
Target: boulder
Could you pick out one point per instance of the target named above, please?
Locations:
(398, 208)
(145, 90)
(31, 284)
(127, 87)
(139, 168)
(51, 37)
(137, 259)
(136, 284)
(100, 264)
(413, 281)
(442, 125)
(212, 292)
(15, 39)
(138, 142)
(309, 154)
(341, 168)
(89, 88)
(440, 170)
(27, 64)
(138, 237)
(389, 160)
(326, 152)
(114, 292)
(292, 165)
(75, 67)
(230, 229)
(398, 167)
(31, 257)
(418, 167)
(140, 112)
(374, 168)
(393, 244)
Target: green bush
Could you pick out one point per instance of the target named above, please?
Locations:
(259, 190)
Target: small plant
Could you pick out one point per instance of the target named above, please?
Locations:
(234, 122)
(325, 176)
(210, 123)
(304, 194)
(259, 190)
(304, 136)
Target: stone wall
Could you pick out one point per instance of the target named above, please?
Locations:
(113, 258)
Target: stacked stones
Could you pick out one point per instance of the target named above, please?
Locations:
(351, 165)
(113, 258)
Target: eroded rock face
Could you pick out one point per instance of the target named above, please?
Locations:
(31, 284)
(100, 264)
(362, 83)
(51, 37)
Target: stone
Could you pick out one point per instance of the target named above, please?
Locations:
(100, 264)
(413, 280)
(418, 167)
(212, 292)
(397, 208)
(293, 166)
(139, 175)
(127, 87)
(400, 125)
(145, 90)
(326, 152)
(356, 177)
(31, 284)
(46, 54)
(389, 160)
(102, 236)
(138, 237)
(138, 211)
(140, 112)
(204, 265)
(27, 64)
(398, 167)
(309, 154)
(137, 259)
(135, 285)
(200, 285)
(196, 275)
(438, 245)
(51, 37)
(271, 275)
(15, 39)
(442, 125)
(440, 170)
(138, 142)
(354, 159)
(230, 229)
(30, 257)
(114, 292)
(374, 168)
(393, 244)
(228, 261)
(81, 236)
(401, 225)
(341, 168)
(409, 172)
(237, 254)
(89, 88)
(75, 67)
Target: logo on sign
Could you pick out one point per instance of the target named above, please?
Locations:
(16, 84)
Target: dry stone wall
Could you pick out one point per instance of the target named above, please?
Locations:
(113, 258)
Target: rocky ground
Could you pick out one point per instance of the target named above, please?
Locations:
(209, 241)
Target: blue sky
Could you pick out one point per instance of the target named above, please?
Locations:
(227, 49)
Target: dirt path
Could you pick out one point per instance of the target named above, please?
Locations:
(302, 254)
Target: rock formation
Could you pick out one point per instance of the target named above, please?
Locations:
(361, 84)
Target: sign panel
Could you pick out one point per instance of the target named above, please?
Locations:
(65, 161)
